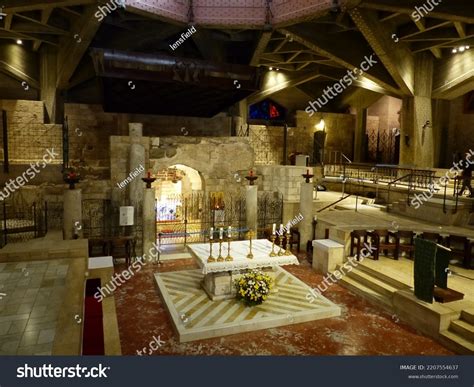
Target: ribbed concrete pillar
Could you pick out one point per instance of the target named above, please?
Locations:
(136, 159)
(149, 221)
(306, 209)
(72, 213)
(251, 206)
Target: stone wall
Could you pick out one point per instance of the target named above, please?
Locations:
(221, 161)
(267, 141)
(28, 136)
(461, 130)
(285, 179)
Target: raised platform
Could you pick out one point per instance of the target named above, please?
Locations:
(196, 317)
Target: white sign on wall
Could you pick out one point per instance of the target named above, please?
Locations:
(126, 216)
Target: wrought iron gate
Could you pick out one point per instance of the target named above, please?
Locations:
(183, 219)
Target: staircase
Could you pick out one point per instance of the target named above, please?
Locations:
(380, 289)
(460, 333)
(372, 285)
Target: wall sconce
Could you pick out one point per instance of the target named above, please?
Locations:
(321, 125)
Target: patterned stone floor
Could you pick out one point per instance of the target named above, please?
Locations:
(31, 294)
(362, 328)
(195, 316)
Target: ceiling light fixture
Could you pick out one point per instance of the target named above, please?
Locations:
(270, 68)
(454, 51)
(19, 41)
(461, 49)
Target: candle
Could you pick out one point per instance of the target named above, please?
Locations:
(221, 233)
(274, 229)
(211, 233)
(281, 228)
(251, 172)
(149, 174)
(307, 171)
(228, 231)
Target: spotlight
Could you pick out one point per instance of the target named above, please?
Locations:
(277, 69)
(454, 51)
(461, 49)
(467, 47)
(270, 68)
(19, 41)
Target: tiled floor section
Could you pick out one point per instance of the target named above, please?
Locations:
(197, 317)
(361, 330)
(32, 294)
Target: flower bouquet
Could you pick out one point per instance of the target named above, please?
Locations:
(253, 287)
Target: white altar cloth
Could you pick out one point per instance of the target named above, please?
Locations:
(261, 249)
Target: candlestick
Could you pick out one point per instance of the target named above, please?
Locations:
(211, 258)
(273, 254)
(228, 258)
(273, 229)
(250, 234)
(288, 251)
(280, 243)
(220, 258)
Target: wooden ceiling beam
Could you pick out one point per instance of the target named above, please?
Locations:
(13, 6)
(71, 50)
(260, 47)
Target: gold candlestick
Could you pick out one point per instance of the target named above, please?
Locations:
(220, 258)
(228, 258)
(287, 251)
(273, 254)
(250, 234)
(211, 258)
(280, 243)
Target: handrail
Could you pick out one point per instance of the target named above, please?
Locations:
(390, 188)
(332, 204)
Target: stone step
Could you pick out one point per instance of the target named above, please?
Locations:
(383, 277)
(456, 343)
(372, 283)
(463, 329)
(468, 315)
(369, 294)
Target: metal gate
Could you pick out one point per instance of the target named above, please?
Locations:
(183, 219)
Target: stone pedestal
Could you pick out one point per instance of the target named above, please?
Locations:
(251, 206)
(305, 227)
(136, 159)
(220, 286)
(327, 254)
(149, 221)
(72, 214)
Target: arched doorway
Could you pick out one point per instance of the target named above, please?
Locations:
(180, 205)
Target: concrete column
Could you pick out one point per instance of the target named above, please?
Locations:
(149, 221)
(417, 141)
(359, 134)
(251, 199)
(305, 227)
(136, 159)
(72, 213)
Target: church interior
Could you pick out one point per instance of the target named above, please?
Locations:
(236, 177)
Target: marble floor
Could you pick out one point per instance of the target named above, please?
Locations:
(362, 329)
(195, 316)
(31, 294)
